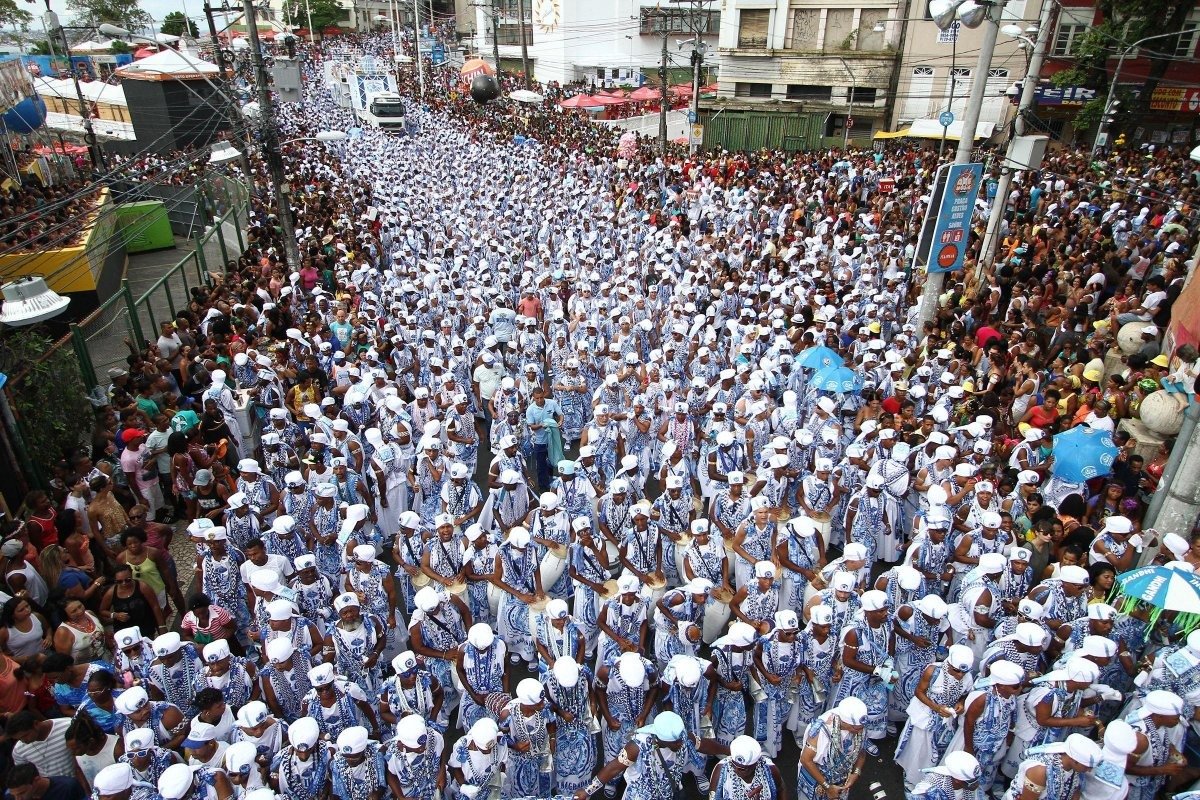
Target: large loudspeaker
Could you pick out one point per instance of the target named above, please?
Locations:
(175, 114)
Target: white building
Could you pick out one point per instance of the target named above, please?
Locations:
(937, 68)
(610, 42)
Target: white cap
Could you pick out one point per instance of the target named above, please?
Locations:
(851, 711)
(352, 740)
(113, 779)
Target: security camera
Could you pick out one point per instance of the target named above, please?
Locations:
(1012, 91)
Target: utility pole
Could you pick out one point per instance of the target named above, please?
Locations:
(524, 43)
(496, 35)
(698, 50)
(417, 46)
(235, 116)
(270, 131)
(991, 238)
(55, 30)
(663, 28)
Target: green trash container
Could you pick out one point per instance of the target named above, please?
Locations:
(145, 226)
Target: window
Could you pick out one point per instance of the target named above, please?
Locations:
(1185, 45)
(959, 91)
(754, 26)
(806, 24)
(868, 39)
(510, 33)
(804, 91)
(919, 94)
(1067, 38)
(678, 20)
(864, 95)
(757, 90)
(839, 29)
(950, 35)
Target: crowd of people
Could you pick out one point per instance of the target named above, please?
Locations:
(523, 484)
(34, 216)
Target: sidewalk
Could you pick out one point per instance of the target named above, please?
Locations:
(170, 293)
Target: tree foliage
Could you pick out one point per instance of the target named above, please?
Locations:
(12, 15)
(1125, 22)
(323, 13)
(175, 23)
(124, 13)
(50, 402)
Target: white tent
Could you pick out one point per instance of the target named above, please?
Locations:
(168, 65)
(93, 91)
(91, 47)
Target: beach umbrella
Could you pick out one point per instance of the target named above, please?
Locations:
(842, 380)
(819, 357)
(1163, 588)
(645, 93)
(1083, 453)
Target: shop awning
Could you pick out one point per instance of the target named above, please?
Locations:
(932, 129)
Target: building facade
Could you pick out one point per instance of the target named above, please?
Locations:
(605, 42)
(1169, 116)
(826, 61)
(937, 68)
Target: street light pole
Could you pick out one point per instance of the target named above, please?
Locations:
(991, 238)
(932, 289)
(274, 158)
(417, 46)
(849, 105)
(1112, 85)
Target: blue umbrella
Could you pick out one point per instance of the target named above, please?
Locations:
(819, 357)
(842, 380)
(1083, 453)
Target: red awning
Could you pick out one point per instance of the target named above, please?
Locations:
(645, 93)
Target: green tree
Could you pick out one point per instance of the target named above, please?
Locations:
(41, 47)
(49, 401)
(323, 13)
(118, 46)
(12, 16)
(1124, 22)
(124, 13)
(175, 23)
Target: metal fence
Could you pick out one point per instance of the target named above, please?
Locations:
(102, 340)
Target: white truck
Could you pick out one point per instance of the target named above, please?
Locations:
(384, 110)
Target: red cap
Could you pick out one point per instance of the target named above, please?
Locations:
(130, 434)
